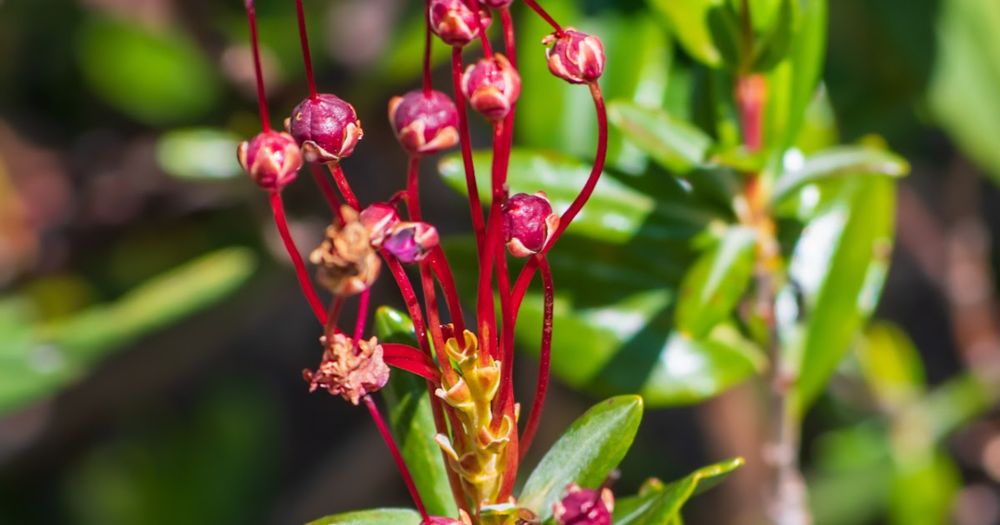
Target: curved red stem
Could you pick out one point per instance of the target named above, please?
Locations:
(545, 15)
(412, 360)
(278, 209)
(400, 464)
(475, 204)
(306, 55)
(545, 361)
(428, 46)
(359, 324)
(510, 42)
(345, 187)
(265, 119)
(329, 194)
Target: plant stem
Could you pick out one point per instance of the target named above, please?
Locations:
(510, 42)
(265, 119)
(545, 360)
(278, 210)
(475, 204)
(545, 15)
(345, 187)
(306, 55)
(391, 443)
(327, 189)
(359, 324)
(428, 46)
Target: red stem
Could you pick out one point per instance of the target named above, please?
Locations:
(475, 204)
(306, 55)
(510, 42)
(345, 188)
(545, 361)
(413, 189)
(750, 94)
(359, 324)
(278, 209)
(545, 15)
(428, 46)
(327, 189)
(265, 119)
(524, 279)
(442, 270)
(412, 360)
(391, 443)
(332, 315)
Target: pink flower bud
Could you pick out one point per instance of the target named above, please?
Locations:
(584, 507)
(410, 242)
(327, 128)
(492, 86)
(272, 159)
(576, 57)
(455, 22)
(529, 223)
(379, 219)
(424, 124)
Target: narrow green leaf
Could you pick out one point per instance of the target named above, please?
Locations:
(41, 360)
(840, 264)
(589, 450)
(198, 154)
(842, 161)
(689, 21)
(658, 504)
(891, 365)
(412, 420)
(372, 517)
(773, 47)
(674, 144)
(716, 282)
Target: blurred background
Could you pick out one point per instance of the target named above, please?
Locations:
(152, 337)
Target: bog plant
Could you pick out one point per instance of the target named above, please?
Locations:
(480, 429)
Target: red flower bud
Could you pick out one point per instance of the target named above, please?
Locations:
(410, 242)
(272, 159)
(379, 219)
(455, 22)
(584, 507)
(327, 128)
(576, 57)
(492, 86)
(529, 223)
(424, 124)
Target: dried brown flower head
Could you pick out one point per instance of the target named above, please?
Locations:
(348, 371)
(348, 264)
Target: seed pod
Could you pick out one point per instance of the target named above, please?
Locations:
(379, 219)
(492, 86)
(349, 372)
(424, 124)
(575, 57)
(348, 264)
(272, 159)
(584, 507)
(326, 127)
(456, 22)
(411, 242)
(529, 223)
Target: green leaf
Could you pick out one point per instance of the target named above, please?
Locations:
(413, 421)
(716, 282)
(372, 517)
(840, 264)
(891, 365)
(772, 48)
(674, 144)
(616, 213)
(963, 90)
(589, 450)
(56, 354)
(841, 161)
(154, 76)
(657, 504)
(689, 21)
(198, 154)
(793, 83)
